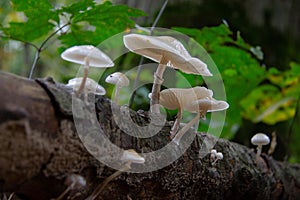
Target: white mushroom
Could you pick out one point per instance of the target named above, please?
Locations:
(179, 98)
(260, 139)
(219, 156)
(89, 56)
(213, 154)
(167, 51)
(90, 86)
(129, 156)
(73, 181)
(201, 107)
(119, 80)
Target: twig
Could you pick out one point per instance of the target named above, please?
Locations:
(136, 81)
(158, 16)
(40, 49)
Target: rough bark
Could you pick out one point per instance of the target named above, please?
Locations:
(39, 149)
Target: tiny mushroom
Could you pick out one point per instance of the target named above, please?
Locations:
(119, 80)
(131, 156)
(74, 182)
(91, 86)
(201, 107)
(213, 154)
(128, 157)
(180, 98)
(167, 51)
(89, 56)
(260, 139)
(219, 156)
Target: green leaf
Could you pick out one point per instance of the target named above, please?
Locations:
(39, 15)
(106, 19)
(28, 31)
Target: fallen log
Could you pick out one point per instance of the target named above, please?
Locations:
(40, 149)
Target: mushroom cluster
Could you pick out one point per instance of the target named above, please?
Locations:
(179, 98)
(215, 156)
(168, 52)
(88, 56)
(197, 100)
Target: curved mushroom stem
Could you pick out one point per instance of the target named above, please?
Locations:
(176, 124)
(158, 80)
(214, 162)
(85, 75)
(100, 187)
(186, 128)
(117, 93)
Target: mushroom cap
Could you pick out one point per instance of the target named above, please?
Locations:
(207, 105)
(132, 156)
(167, 48)
(214, 152)
(75, 179)
(90, 85)
(260, 139)
(118, 79)
(219, 155)
(181, 98)
(78, 54)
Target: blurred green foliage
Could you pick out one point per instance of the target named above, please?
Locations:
(41, 24)
(42, 18)
(253, 92)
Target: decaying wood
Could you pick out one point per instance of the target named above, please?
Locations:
(39, 149)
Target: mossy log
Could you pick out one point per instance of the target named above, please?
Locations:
(40, 148)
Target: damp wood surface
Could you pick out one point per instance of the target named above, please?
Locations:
(40, 148)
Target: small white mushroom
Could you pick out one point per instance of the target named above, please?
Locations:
(91, 86)
(119, 80)
(89, 56)
(259, 140)
(73, 181)
(213, 154)
(201, 107)
(129, 156)
(219, 156)
(167, 51)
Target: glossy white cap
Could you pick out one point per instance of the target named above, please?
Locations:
(82, 53)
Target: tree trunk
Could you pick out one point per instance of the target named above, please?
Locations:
(40, 149)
